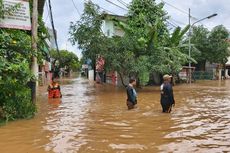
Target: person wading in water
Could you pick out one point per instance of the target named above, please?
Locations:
(131, 94)
(54, 90)
(167, 98)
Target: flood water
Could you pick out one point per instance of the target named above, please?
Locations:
(93, 118)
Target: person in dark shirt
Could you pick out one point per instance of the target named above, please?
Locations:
(167, 98)
(131, 94)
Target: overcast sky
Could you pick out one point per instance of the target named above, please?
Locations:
(65, 12)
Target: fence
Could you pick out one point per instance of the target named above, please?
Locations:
(202, 75)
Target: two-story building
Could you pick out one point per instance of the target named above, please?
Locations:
(110, 29)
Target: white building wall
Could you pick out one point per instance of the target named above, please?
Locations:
(108, 28)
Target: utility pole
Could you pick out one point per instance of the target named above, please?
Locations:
(189, 50)
(34, 64)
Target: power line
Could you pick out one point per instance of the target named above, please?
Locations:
(103, 8)
(178, 9)
(116, 5)
(176, 21)
(172, 24)
(123, 3)
(76, 8)
(182, 11)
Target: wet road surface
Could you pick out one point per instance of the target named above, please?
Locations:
(93, 118)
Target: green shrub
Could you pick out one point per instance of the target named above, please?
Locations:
(15, 96)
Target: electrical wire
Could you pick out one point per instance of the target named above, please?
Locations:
(176, 21)
(178, 9)
(76, 8)
(116, 5)
(172, 24)
(182, 11)
(103, 8)
(123, 3)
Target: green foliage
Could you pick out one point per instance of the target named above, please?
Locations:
(141, 67)
(211, 46)
(15, 99)
(15, 57)
(119, 57)
(42, 52)
(15, 44)
(200, 40)
(143, 13)
(145, 47)
(219, 44)
(87, 32)
(68, 59)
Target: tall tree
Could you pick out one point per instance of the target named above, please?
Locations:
(219, 45)
(153, 47)
(68, 59)
(200, 46)
(143, 48)
(87, 32)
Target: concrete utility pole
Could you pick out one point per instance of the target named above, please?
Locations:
(34, 64)
(189, 50)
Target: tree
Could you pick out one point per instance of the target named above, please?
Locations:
(15, 51)
(143, 48)
(68, 59)
(145, 22)
(210, 46)
(201, 46)
(168, 57)
(148, 40)
(119, 56)
(15, 60)
(219, 45)
(87, 32)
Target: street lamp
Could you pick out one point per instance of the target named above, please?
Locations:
(189, 39)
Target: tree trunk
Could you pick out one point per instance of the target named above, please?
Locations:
(122, 80)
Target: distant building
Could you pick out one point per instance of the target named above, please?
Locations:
(109, 27)
(51, 41)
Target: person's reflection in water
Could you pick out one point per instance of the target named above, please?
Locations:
(55, 102)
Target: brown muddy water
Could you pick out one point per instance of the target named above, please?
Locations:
(93, 118)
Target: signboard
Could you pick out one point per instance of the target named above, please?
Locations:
(19, 19)
(84, 66)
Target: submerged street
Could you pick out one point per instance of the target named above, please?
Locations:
(93, 118)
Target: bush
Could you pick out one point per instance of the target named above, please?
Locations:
(15, 97)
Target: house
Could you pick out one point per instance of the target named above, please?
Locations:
(108, 25)
(110, 29)
(45, 66)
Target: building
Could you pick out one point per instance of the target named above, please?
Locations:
(108, 25)
(110, 29)
(45, 66)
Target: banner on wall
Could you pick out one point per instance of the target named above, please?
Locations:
(100, 62)
(20, 18)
